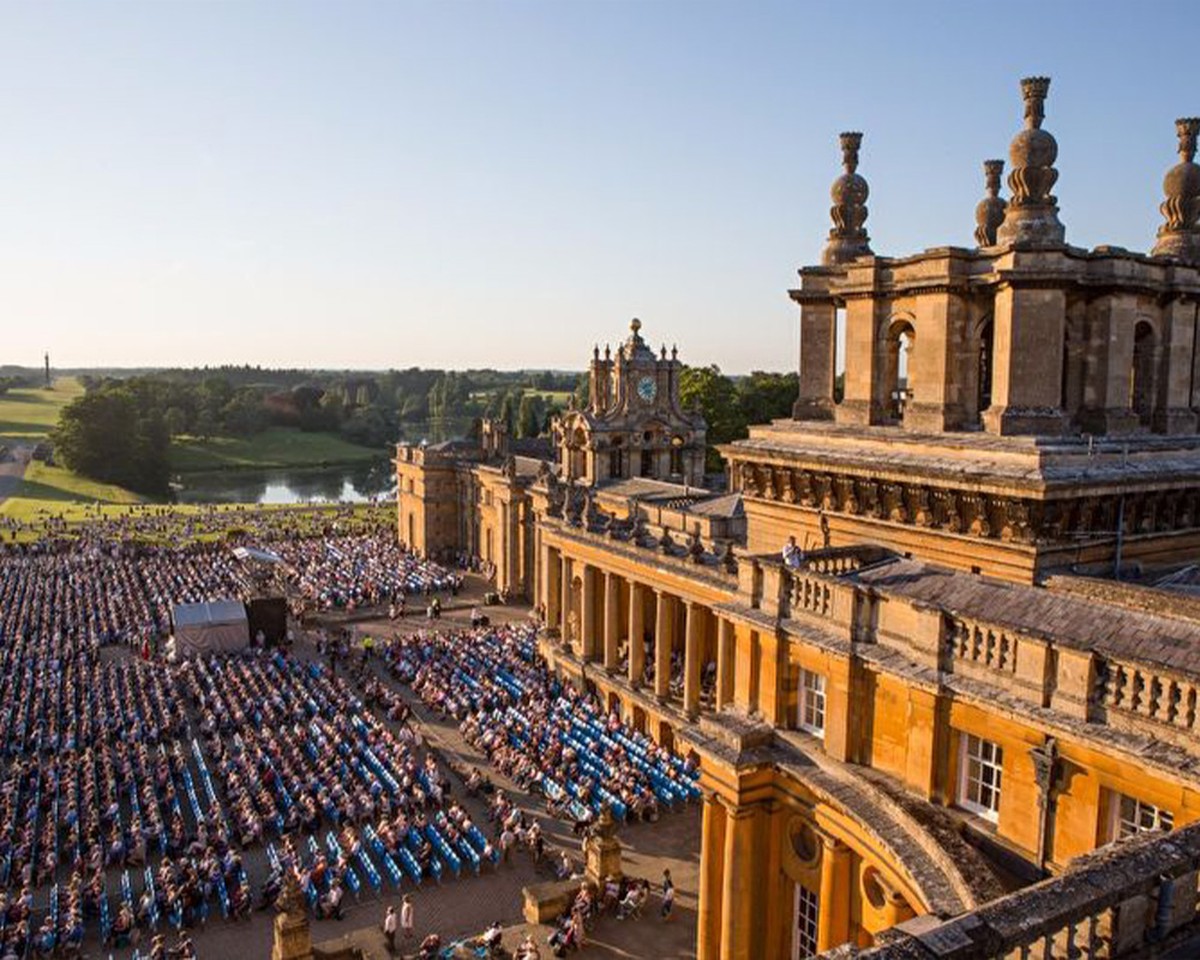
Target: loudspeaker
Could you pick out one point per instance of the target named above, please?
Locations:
(268, 614)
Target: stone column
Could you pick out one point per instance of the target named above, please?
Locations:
(712, 862)
(1027, 352)
(726, 657)
(833, 920)
(742, 888)
(612, 627)
(818, 341)
(587, 613)
(664, 608)
(1175, 415)
(691, 660)
(564, 626)
(637, 636)
(550, 586)
(861, 403)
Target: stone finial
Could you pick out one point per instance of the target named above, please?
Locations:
(848, 239)
(1032, 214)
(1179, 236)
(989, 212)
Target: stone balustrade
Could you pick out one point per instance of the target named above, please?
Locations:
(1135, 898)
(982, 644)
(1141, 693)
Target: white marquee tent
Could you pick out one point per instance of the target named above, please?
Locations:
(216, 627)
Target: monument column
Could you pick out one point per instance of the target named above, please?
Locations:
(587, 613)
(726, 641)
(691, 660)
(637, 636)
(662, 644)
(612, 627)
(833, 919)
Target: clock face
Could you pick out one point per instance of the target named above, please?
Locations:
(647, 389)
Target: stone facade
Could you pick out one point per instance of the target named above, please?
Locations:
(901, 726)
(633, 425)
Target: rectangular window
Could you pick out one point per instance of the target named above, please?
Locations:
(1132, 816)
(804, 931)
(812, 702)
(980, 772)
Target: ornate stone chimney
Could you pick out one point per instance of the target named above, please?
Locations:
(989, 212)
(1032, 215)
(1180, 235)
(848, 239)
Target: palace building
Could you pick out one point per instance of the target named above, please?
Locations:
(922, 729)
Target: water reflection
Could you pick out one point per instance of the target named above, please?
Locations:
(358, 484)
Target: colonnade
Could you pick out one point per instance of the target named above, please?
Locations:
(599, 611)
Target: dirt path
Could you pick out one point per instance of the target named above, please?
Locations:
(13, 462)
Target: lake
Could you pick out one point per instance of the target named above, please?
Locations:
(352, 484)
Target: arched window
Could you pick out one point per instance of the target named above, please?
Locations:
(1141, 373)
(900, 343)
(984, 396)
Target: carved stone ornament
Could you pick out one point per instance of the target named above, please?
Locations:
(1179, 236)
(1032, 214)
(848, 238)
(989, 212)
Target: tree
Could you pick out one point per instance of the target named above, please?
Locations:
(176, 421)
(106, 436)
(530, 415)
(767, 396)
(508, 412)
(716, 397)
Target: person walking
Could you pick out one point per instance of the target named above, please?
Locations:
(406, 916)
(668, 895)
(389, 929)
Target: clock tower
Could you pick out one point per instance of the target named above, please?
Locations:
(633, 425)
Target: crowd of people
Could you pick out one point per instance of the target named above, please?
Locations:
(100, 591)
(134, 792)
(539, 730)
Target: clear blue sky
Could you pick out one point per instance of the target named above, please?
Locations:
(347, 184)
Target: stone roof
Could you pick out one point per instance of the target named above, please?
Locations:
(729, 505)
(1071, 620)
(646, 487)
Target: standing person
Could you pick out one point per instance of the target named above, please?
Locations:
(406, 916)
(507, 839)
(389, 929)
(668, 895)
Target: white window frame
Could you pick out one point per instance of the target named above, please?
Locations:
(806, 916)
(1131, 816)
(988, 756)
(811, 700)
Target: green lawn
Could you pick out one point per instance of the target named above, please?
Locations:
(274, 448)
(55, 490)
(29, 413)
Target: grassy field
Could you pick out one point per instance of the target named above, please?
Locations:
(271, 449)
(29, 413)
(55, 490)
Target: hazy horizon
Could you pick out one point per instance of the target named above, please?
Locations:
(387, 185)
